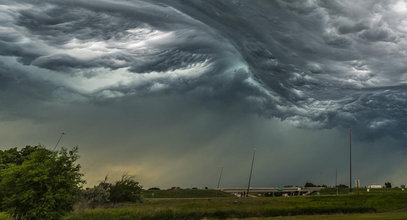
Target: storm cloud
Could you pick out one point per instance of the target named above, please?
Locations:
(307, 64)
(313, 63)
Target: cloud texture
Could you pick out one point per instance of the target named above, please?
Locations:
(312, 64)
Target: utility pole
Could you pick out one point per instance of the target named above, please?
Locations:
(350, 159)
(336, 181)
(220, 176)
(251, 171)
(56, 145)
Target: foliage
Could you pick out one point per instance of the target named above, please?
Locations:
(308, 184)
(387, 184)
(154, 188)
(97, 195)
(184, 193)
(231, 208)
(37, 183)
(125, 190)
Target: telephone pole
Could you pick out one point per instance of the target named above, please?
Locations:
(251, 171)
(56, 145)
(350, 159)
(220, 176)
(336, 181)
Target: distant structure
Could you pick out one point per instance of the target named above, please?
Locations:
(357, 183)
(375, 187)
(274, 191)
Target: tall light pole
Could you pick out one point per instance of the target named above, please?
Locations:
(336, 181)
(251, 171)
(220, 176)
(350, 159)
(60, 137)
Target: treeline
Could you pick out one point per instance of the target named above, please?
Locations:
(40, 184)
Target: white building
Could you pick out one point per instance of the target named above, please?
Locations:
(375, 186)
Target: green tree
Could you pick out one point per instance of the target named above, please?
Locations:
(308, 184)
(37, 183)
(126, 190)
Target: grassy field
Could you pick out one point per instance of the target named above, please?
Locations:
(377, 204)
(184, 193)
(397, 215)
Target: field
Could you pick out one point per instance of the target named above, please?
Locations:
(185, 193)
(378, 204)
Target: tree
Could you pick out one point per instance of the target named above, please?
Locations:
(387, 184)
(308, 184)
(37, 183)
(343, 186)
(154, 188)
(125, 190)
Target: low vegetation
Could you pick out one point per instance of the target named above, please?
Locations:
(40, 184)
(106, 194)
(184, 193)
(221, 208)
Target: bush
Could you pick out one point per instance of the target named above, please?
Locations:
(37, 183)
(126, 190)
(308, 184)
(343, 186)
(96, 196)
(154, 188)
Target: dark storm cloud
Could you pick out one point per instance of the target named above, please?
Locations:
(313, 63)
(168, 89)
(378, 35)
(343, 42)
(347, 27)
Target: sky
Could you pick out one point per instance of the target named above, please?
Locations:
(173, 91)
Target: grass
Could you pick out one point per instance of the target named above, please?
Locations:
(222, 208)
(4, 217)
(360, 205)
(184, 193)
(398, 215)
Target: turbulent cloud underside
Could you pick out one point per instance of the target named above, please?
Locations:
(313, 63)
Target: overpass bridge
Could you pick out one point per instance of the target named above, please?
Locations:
(274, 191)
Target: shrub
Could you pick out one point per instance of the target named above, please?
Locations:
(308, 184)
(125, 190)
(154, 188)
(97, 195)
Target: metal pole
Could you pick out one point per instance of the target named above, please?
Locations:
(220, 177)
(350, 159)
(56, 145)
(336, 181)
(251, 171)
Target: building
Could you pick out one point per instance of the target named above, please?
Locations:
(375, 187)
